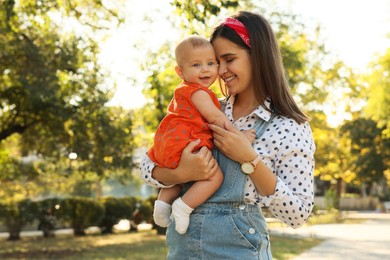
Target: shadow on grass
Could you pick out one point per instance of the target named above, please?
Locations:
(138, 246)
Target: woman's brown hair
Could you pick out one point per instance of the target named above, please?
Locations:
(268, 73)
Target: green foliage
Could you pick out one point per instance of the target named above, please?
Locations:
(162, 81)
(146, 209)
(331, 199)
(103, 142)
(16, 176)
(378, 92)
(378, 103)
(329, 216)
(15, 215)
(42, 72)
(50, 87)
(115, 210)
(365, 146)
(81, 213)
(195, 16)
(47, 214)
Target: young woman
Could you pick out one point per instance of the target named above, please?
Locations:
(276, 171)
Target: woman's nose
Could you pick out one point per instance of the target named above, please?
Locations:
(221, 69)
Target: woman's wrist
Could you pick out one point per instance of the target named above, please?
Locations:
(167, 176)
(248, 156)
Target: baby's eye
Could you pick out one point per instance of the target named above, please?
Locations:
(211, 63)
(196, 65)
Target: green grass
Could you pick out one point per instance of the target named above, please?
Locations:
(284, 248)
(332, 217)
(141, 245)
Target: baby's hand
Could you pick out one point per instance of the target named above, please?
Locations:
(250, 135)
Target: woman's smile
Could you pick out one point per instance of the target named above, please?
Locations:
(229, 78)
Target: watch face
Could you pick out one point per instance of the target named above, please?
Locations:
(247, 168)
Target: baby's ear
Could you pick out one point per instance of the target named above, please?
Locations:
(179, 72)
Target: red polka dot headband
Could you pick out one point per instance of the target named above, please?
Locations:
(239, 28)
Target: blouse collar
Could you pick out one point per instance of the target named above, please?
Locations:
(260, 111)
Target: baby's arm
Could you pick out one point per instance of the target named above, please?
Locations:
(206, 107)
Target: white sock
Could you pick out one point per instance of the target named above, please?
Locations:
(162, 213)
(181, 213)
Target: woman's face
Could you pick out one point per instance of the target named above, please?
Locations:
(234, 66)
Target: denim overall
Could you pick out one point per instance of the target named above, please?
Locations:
(225, 226)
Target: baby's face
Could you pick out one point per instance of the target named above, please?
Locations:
(200, 66)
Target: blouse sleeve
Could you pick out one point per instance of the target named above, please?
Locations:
(146, 168)
(293, 199)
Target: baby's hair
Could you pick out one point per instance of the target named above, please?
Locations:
(194, 41)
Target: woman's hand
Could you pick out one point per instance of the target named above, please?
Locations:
(193, 166)
(233, 143)
(198, 165)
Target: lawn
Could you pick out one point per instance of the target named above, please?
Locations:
(141, 245)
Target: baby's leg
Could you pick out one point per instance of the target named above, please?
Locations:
(162, 206)
(199, 192)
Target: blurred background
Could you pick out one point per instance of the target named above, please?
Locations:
(84, 84)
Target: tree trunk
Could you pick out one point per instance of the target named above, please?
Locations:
(78, 231)
(364, 190)
(98, 189)
(14, 235)
(338, 193)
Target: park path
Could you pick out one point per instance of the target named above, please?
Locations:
(369, 240)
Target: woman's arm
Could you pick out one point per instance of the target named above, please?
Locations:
(204, 162)
(236, 146)
(294, 163)
(288, 190)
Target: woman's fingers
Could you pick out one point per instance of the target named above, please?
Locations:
(191, 146)
(216, 129)
(231, 141)
(231, 128)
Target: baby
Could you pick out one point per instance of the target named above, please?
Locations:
(191, 109)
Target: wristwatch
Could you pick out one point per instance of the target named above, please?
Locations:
(249, 167)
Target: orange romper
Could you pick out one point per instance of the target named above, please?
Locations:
(182, 125)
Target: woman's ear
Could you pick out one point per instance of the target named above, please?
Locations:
(179, 72)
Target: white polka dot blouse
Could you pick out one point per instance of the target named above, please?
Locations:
(287, 148)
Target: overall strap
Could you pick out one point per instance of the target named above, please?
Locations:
(223, 103)
(261, 125)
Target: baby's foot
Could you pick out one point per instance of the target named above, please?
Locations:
(181, 214)
(162, 213)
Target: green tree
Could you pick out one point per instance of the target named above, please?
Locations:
(47, 75)
(378, 102)
(103, 144)
(196, 16)
(378, 91)
(50, 89)
(15, 215)
(365, 144)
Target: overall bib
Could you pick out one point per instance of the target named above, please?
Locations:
(225, 226)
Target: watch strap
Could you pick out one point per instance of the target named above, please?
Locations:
(255, 161)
